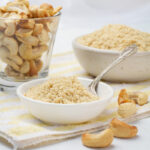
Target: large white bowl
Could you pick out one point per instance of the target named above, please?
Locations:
(93, 60)
(65, 113)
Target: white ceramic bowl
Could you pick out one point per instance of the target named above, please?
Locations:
(93, 60)
(65, 113)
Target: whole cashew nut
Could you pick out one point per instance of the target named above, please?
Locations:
(35, 67)
(127, 109)
(31, 40)
(24, 32)
(10, 29)
(17, 59)
(42, 13)
(46, 6)
(25, 67)
(100, 140)
(37, 29)
(33, 11)
(29, 53)
(140, 98)
(122, 130)
(11, 44)
(27, 23)
(43, 37)
(16, 7)
(4, 54)
(13, 61)
(25, 2)
(124, 97)
(12, 73)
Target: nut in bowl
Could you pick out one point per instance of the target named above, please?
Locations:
(65, 113)
(103, 46)
(27, 35)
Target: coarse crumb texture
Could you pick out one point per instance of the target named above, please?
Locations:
(65, 90)
(116, 37)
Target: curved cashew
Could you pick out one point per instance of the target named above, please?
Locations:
(102, 139)
(46, 6)
(127, 109)
(25, 67)
(10, 29)
(11, 44)
(16, 7)
(11, 63)
(4, 54)
(33, 11)
(12, 73)
(43, 37)
(39, 50)
(17, 59)
(28, 53)
(122, 130)
(56, 10)
(37, 29)
(140, 98)
(14, 15)
(24, 32)
(25, 2)
(47, 26)
(5, 15)
(2, 25)
(25, 51)
(124, 97)
(35, 67)
(27, 23)
(31, 40)
(41, 13)
(50, 10)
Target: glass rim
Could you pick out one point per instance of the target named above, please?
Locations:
(44, 18)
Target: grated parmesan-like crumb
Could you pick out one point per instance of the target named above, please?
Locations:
(65, 90)
(116, 37)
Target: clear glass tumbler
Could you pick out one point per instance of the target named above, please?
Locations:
(26, 47)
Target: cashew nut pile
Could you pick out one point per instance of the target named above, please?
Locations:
(116, 128)
(23, 40)
(127, 102)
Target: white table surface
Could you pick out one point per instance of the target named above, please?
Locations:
(140, 142)
(80, 17)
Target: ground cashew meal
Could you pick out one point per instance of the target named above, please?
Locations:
(65, 90)
(116, 37)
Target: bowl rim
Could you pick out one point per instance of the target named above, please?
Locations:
(44, 18)
(106, 51)
(21, 96)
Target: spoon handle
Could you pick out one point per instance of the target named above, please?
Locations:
(123, 55)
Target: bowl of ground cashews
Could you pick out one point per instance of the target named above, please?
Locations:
(64, 100)
(104, 45)
(27, 35)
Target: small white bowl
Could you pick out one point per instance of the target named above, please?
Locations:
(66, 113)
(134, 69)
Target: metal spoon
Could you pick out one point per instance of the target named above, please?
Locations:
(123, 55)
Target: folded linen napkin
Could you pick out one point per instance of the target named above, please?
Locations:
(22, 130)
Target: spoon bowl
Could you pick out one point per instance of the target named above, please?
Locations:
(66, 113)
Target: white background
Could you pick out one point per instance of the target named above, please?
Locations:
(84, 16)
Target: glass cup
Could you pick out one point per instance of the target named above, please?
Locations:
(26, 47)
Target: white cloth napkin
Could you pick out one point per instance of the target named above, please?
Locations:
(22, 130)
